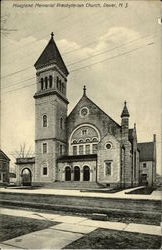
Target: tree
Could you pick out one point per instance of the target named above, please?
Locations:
(23, 152)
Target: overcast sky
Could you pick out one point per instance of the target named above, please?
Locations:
(114, 51)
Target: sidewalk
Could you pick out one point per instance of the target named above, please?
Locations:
(70, 229)
(156, 195)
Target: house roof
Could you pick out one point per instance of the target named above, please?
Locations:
(146, 151)
(3, 155)
(51, 55)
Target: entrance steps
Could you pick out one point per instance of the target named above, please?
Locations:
(73, 185)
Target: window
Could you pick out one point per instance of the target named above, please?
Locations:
(57, 82)
(108, 145)
(87, 149)
(81, 149)
(74, 141)
(95, 140)
(144, 165)
(74, 150)
(94, 148)
(44, 170)
(50, 81)
(42, 84)
(46, 82)
(84, 131)
(44, 120)
(108, 168)
(44, 148)
(63, 87)
(61, 123)
(61, 149)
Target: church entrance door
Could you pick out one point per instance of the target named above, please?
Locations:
(26, 177)
(76, 174)
(86, 173)
(67, 174)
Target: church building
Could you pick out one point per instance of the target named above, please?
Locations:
(85, 147)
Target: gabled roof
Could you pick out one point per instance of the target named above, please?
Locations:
(85, 99)
(3, 155)
(146, 151)
(51, 55)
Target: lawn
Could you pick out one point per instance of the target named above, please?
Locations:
(144, 191)
(112, 239)
(13, 226)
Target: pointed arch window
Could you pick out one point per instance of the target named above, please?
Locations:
(50, 81)
(45, 120)
(46, 82)
(61, 123)
(42, 84)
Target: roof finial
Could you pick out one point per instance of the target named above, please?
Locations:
(52, 35)
(84, 90)
(125, 112)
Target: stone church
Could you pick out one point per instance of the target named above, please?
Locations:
(87, 146)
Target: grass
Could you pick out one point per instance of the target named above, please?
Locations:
(112, 239)
(13, 226)
(144, 190)
(140, 218)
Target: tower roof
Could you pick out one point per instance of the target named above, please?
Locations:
(51, 55)
(125, 112)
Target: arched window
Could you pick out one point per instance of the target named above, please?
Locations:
(86, 173)
(57, 82)
(76, 174)
(61, 123)
(42, 84)
(46, 82)
(67, 174)
(50, 81)
(44, 120)
(62, 87)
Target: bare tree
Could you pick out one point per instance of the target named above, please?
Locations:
(23, 152)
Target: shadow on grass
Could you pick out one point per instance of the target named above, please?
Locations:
(13, 226)
(112, 239)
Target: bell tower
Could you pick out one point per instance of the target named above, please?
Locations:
(50, 112)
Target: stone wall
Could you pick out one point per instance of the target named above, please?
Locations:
(113, 155)
(80, 164)
(149, 170)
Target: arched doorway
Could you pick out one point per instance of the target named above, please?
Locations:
(86, 173)
(67, 174)
(76, 174)
(26, 177)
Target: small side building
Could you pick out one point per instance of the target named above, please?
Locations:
(25, 171)
(4, 168)
(147, 162)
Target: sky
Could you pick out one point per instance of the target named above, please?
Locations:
(114, 51)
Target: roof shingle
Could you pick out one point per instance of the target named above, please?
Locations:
(146, 151)
(51, 55)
